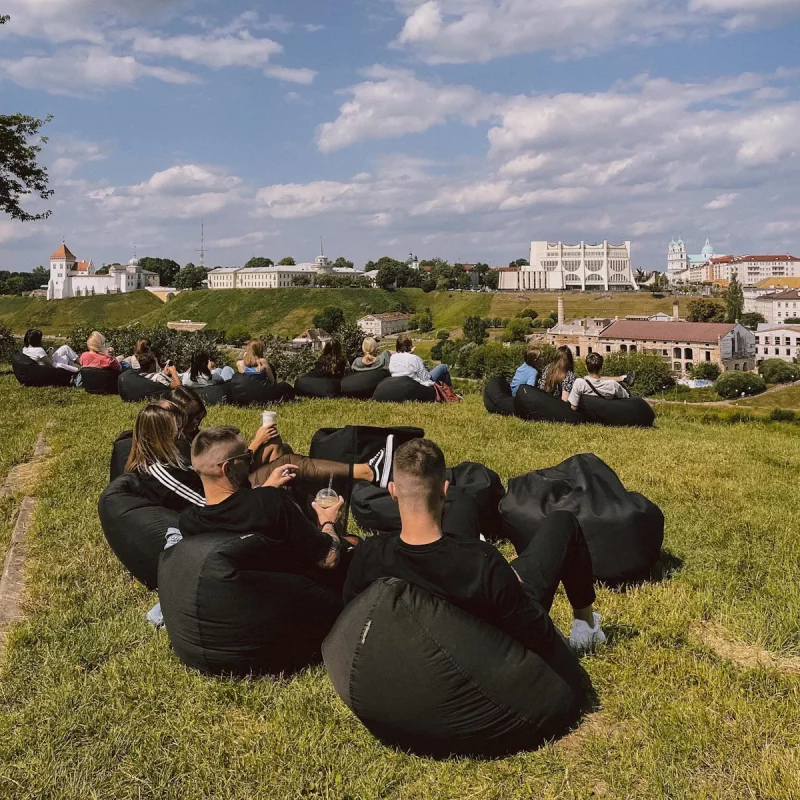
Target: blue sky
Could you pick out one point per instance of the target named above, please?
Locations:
(458, 128)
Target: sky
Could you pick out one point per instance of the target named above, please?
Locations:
(455, 128)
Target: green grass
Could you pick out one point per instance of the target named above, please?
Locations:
(788, 398)
(94, 705)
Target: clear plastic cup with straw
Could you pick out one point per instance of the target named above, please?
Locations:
(327, 497)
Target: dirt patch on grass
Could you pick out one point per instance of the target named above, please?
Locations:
(594, 724)
(718, 639)
(24, 478)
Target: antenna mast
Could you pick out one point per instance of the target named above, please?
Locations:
(202, 249)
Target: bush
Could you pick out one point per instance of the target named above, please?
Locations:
(442, 335)
(704, 310)
(548, 322)
(475, 330)
(773, 370)
(652, 372)
(288, 362)
(734, 384)
(179, 346)
(516, 330)
(488, 360)
(8, 344)
(782, 415)
(706, 371)
(527, 312)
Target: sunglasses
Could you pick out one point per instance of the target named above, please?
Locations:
(248, 454)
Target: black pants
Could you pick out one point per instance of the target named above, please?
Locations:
(557, 553)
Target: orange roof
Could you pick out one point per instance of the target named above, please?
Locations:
(769, 258)
(63, 252)
(668, 331)
(82, 266)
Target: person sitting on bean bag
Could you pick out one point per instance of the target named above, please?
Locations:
(62, 358)
(205, 372)
(473, 575)
(156, 457)
(371, 359)
(99, 356)
(331, 363)
(528, 372)
(169, 376)
(254, 364)
(143, 345)
(559, 376)
(598, 386)
(404, 364)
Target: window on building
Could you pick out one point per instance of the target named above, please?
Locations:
(676, 353)
(623, 348)
(577, 350)
(590, 351)
(632, 348)
(777, 340)
(676, 366)
(777, 351)
(788, 340)
(708, 355)
(688, 354)
(758, 340)
(608, 347)
(788, 351)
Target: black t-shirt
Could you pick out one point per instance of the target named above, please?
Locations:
(267, 512)
(471, 575)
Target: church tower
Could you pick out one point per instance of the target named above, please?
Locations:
(62, 262)
(677, 259)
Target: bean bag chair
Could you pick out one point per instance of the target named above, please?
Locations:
(120, 451)
(245, 390)
(401, 390)
(314, 386)
(471, 507)
(624, 530)
(99, 381)
(133, 387)
(30, 373)
(633, 412)
(429, 678)
(226, 612)
(497, 397)
(362, 385)
(134, 527)
(216, 394)
(532, 404)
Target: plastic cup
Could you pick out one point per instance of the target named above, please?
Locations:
(326, 498)
(268, 418)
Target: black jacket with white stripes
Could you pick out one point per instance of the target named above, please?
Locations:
(176, 489)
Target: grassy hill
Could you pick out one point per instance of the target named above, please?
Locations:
(289, 311)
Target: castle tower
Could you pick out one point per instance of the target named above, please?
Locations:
(62, 262)
(322, 263)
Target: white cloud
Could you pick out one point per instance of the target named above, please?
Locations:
(247, 239)
(293, 200)
(291, 74)
(239, 50)
(721, 201)
(13, 230)
(394, 102)
(73, 70)
(458, 31)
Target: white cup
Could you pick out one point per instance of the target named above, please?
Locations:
(268, 418)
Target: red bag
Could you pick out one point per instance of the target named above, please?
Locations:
(445, 393)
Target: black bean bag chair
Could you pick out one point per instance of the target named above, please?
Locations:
(216, 394)
(429, 678)
(135, 527)
(133, 387)
(30, 373)
(309, 385)
(120, 451)
(471, 507)
(633, 412)
(401, 390)
(497, 397)
(361, 385)
(227, 612)
(532, 404)
(99, 381)
(247, 390)
(624, 530)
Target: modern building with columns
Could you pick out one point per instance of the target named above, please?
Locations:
(555, 266)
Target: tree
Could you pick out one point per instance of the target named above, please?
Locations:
(516, 331)
(752, 319)
(301, 280)
(442, 285)
(288, 261)
(39, 276)
(423, 321)
(734, 300)
(704, 310)
(166, 268)
(191, 277)
(443, 335)
(330, 319)
(259, 262)
(791, 320)
(527, 312)
(19, 173)
(491, 280)
(520, 262)
(706, 371)
(463, 280)
(342, 263)
(103, 270)
(475, 330)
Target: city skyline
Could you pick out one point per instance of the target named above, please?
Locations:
(456, 128)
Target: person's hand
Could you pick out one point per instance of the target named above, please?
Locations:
(265, 434)
(329, 514)
(212, 365)
(281, 477)
(171, 371)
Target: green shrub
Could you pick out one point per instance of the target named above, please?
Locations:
(652, 372)
(488, 360)
(706, 371)
(735, 384)
(8, 345)
(442, 335)
(516, 330)
(782, 415)
(287, 362)
(773, 370)
(548, 322)
(527, 312)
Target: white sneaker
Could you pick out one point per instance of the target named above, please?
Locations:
(584, 637)
(381, 463)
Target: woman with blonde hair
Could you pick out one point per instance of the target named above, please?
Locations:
(371, 358)
(99, 356)
(254, 363)
(156, 458)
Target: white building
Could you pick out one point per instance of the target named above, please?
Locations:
(767, 286)
(680, 263)
(278, 277)
(314, 338)
(777, 341)
(558, 266)
(750, 270)
(380, 325)
(72, 278)
(779, 306)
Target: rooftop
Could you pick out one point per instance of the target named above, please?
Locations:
(791, 294)
(668, 331)
(63, 252)
(393, 315)
(779, 283)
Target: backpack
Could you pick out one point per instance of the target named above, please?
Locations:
(445, 393)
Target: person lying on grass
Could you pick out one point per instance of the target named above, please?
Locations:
(221, 458)
(595, 384)
(473, 575)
